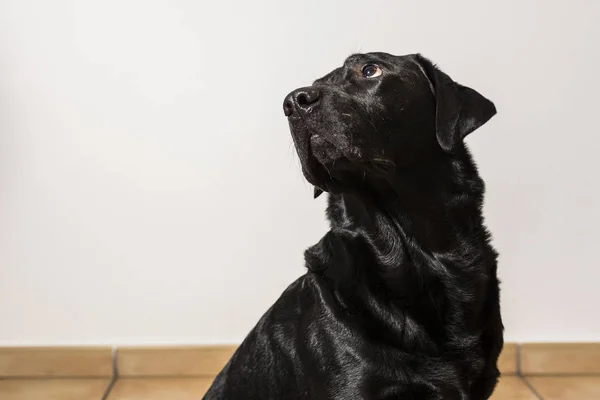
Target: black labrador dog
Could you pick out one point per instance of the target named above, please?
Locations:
(400, 299)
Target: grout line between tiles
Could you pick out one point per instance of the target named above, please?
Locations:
(532, 388)
(522, 377)
(115, 363)
(115, 376)
(109, 388)
(519, 361)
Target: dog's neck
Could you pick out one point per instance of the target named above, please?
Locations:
(414, 240)
(431, 210)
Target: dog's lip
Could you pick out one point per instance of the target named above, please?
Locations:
(306, 138)
(302, 137)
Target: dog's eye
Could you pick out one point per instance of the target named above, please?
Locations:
(371, 71)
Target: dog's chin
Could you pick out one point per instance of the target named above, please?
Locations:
(325, 162)
(325, 152)
(330, 167)
(321, 161)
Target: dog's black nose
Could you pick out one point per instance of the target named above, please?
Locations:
(301, 100)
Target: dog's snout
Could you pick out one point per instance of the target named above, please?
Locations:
(300, 100)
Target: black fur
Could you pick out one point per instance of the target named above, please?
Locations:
(401, 298)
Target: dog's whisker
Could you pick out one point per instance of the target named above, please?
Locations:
(373, 125)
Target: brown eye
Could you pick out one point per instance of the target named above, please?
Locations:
(371, 71)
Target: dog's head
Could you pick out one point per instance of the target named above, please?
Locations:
(378, 113)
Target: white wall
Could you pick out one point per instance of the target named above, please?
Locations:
(146, 167)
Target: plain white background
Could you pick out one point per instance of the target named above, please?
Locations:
(150, 193)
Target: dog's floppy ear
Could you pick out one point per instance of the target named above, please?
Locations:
(459, 109)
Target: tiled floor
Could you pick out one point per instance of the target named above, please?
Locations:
(510, 388)
(53, 389)
(559, 388)
(159, 389)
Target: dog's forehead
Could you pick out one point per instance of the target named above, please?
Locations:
(360, 58)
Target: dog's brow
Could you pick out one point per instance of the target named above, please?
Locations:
(329, 77)
(353, 58)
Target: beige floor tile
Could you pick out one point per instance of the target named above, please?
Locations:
(567, 387)
(512, 388)
(53, 389)
(56, 362)
(560, 358)
(160, 388)
(199, 361)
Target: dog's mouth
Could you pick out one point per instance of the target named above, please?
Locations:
(331, 162)
(311, 149)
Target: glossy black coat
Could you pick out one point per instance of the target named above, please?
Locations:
(400, 299)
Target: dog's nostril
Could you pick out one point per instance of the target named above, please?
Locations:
(303, 100)
(288, 108)
(307, 97)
